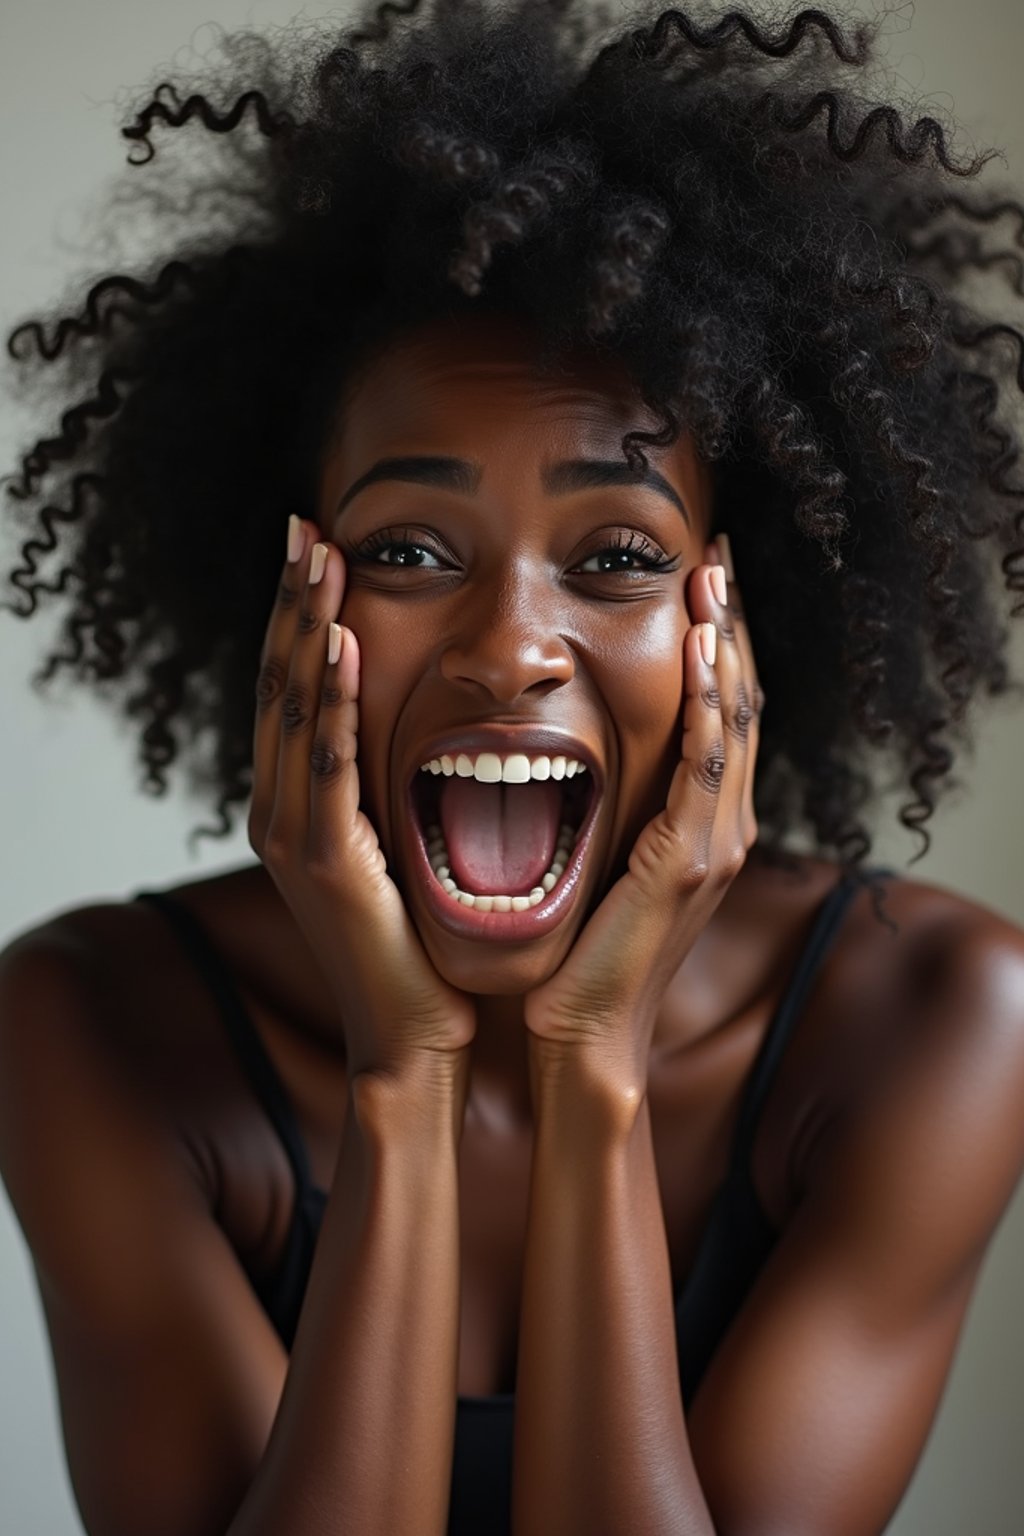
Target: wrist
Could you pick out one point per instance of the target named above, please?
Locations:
(597, 1086)
(421, 1095)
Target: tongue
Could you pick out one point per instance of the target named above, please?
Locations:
(500, 837)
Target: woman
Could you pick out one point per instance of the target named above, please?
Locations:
(564, 1153)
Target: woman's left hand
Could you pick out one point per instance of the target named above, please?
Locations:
(602, 1002)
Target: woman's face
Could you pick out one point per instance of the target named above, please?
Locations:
(479, 602)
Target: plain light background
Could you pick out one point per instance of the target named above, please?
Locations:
(75, 827)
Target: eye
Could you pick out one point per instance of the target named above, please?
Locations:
(408, 553)
(631, 556)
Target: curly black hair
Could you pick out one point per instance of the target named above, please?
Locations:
(787, 271)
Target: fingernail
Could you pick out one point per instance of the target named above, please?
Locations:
(725, 555)
(718, 583)
(294, 538)
(317, 563)
(333, 643)
(708, 642)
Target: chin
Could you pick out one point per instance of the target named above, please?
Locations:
(483, 970)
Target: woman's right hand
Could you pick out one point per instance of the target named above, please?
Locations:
(321, 850)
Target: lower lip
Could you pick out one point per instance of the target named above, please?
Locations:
(467, 923)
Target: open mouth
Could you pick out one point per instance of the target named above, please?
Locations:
(501, 859)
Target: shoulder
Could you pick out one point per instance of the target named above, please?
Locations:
(907, 947)
(927, 1135)
(102, 969)
(117, 979)
(905, 956)
(959, 984)
(88, 1137)
(148, 1309)
(944, 962)
(902, 1186)
(104, 977)
(918, 1000)
(124, 946)
(104, 985)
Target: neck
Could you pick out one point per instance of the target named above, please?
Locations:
(499, 1091)
(724, 970)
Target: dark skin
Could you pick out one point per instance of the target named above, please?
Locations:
(524, 635)
(561, 1143)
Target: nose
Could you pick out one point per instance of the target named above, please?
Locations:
(507, 644)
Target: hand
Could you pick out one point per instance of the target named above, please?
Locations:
(321, 850)
(604, 998)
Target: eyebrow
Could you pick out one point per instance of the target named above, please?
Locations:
(558, 480)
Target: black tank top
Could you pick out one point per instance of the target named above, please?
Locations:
(736, 1241)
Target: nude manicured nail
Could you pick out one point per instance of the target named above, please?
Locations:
(317, 563)
(333, 643)
(294, 538)
(725, 555)
(708, 636)
(717, 578)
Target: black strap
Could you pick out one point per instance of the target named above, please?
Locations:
(823, 933)
(241, 1030)
(270, 1090)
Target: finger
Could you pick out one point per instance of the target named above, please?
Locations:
(334, 784)
(708, 586)
(752, 688)
(275, 658)
(693, 794)
(318, 605)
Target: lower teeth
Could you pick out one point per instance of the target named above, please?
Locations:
(439, 863)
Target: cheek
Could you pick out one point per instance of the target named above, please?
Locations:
(388, 676)
(643, 679)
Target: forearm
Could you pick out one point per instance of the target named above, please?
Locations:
(364, 1434)
(600, 1439)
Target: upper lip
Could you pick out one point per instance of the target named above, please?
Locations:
(543, 740)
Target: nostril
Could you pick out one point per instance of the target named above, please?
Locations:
(507, 667)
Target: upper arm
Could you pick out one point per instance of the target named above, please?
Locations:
(815, 1409)
(168, 1372)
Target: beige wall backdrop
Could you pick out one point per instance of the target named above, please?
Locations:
(75, 827)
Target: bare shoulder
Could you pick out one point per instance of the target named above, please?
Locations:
(86, 1117)
(149, 1312)
(101, 981)
(908, 945)
(911, 957)
(88, 929)
(928, 1041)
(70, 970)
(960, 985)
(918, 1005)
(121, 948)
(108, 978)
(943, 961)
(96, 968)
(963, 982)
(122, 977)
(917, 1148)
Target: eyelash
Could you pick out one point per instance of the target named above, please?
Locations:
(635, 545)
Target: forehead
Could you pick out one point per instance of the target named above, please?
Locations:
(474, 387)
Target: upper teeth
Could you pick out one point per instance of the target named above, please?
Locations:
(510, 768)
